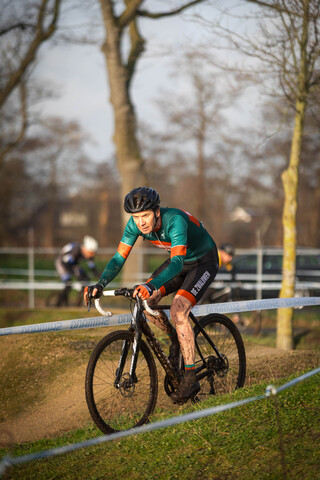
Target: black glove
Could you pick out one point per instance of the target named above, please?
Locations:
(89, 290)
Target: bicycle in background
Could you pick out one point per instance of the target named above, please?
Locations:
(245, 323)
(72, 299)
(121, 382)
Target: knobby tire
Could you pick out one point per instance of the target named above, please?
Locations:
(229, 343)
(115, 408)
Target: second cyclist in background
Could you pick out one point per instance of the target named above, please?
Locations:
(68, 264)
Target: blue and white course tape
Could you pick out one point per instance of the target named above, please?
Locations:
(198, 310)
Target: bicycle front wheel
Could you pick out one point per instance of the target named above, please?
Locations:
(122, 404)
(221, 368)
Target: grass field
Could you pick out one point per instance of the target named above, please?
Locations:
(273, 438)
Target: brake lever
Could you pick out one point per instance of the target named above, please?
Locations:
(89, 304)
(89, 300)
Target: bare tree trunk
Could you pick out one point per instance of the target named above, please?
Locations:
(129, 160)
(315, 215)
(201, 187)
(120, 73)
(290, 178)
(103, 217)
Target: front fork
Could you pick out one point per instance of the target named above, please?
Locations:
(125, 351)
(154, 344)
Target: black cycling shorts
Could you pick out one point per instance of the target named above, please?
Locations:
(194, 278)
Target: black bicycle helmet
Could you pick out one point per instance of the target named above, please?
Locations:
(140, 199)
(228, 248)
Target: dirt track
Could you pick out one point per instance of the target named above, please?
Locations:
(63, 406)
(64, 409)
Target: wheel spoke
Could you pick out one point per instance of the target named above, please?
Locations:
(127, 404)
(227, 373)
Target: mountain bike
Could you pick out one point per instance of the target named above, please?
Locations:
(121, 382)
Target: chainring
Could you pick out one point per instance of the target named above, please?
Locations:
(169, 388)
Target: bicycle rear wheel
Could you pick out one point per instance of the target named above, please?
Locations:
(222, 375)
(121, 405)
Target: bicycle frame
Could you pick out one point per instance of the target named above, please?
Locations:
(122, 376)
(204, 333)
(158, 351)
(139, 325)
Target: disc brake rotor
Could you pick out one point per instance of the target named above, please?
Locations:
(126, 386)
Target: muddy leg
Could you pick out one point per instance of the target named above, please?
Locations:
(161, 321)
(180, 310)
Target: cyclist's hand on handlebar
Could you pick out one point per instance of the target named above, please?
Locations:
(143, 291)
(92, 292)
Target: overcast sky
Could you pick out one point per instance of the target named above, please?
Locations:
(79, 77)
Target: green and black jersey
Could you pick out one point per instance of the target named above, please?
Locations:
(181, 234)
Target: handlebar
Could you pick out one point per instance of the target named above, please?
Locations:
(120, 292)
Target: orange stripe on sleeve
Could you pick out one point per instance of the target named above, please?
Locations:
(188, 296)
(163, 291)
(178, 250)
(124, 249)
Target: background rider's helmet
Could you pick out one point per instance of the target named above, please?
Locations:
(228, 248)
(90, 243)
(141, 199)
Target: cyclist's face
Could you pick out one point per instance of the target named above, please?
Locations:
(146, 221)
(225, 257)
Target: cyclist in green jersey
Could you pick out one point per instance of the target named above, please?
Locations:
(189, 271)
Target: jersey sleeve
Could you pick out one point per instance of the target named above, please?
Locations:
(178, 231)
(127, 241)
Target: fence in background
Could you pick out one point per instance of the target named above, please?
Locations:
(254, 282)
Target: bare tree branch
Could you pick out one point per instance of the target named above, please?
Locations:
(42, 33)
(24, 124)
(16, 26)
(129, 13)
(273, 4)
(137, 48)
(145, 13)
